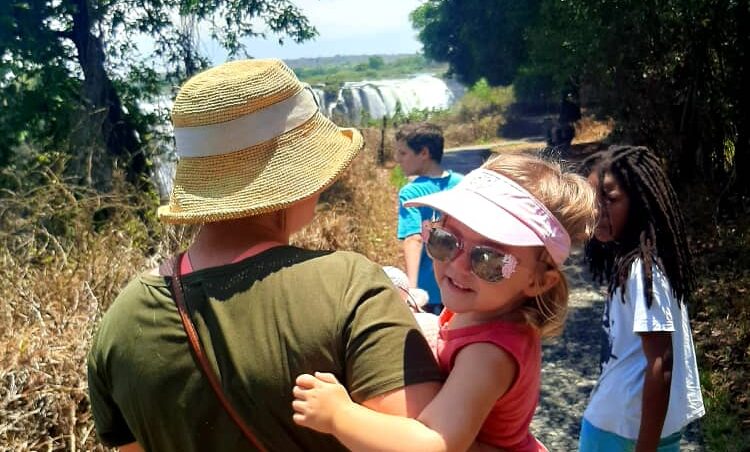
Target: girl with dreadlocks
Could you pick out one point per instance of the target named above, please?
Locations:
(648, 390)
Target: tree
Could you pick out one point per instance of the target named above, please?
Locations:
(478, 38)
(670, 73)
(375, 62)
(91, 48)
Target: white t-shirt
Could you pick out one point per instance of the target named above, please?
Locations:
(615, 404)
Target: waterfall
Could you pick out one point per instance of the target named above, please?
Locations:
(378, 98)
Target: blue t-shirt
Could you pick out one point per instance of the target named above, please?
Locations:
(410, 221)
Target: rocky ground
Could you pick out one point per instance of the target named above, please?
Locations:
(570, 366)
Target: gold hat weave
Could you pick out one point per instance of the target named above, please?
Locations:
(266, 176)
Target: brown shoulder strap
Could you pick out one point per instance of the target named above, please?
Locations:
(200, 357)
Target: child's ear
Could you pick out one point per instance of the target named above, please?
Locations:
(542, 283)
(424, 152)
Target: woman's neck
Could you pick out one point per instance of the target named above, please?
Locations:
(222, 242)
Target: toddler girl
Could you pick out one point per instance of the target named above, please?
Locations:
(498, 250)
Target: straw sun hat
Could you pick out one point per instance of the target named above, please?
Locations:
(251, 139)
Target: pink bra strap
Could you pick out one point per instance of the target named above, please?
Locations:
(187, 267)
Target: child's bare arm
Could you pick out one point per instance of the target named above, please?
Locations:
(322, 403)
(481, 374)
(656, 387)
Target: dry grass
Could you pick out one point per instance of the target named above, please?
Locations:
(591, 130)
(519, 147)
(481, 130)
(67, 251)
(357, 213)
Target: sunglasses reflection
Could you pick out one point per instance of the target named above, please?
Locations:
(487, 263)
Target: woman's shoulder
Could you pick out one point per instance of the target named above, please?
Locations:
(345, 259)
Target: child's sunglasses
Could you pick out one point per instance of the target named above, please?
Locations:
(487, 263)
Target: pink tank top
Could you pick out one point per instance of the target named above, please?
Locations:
(507, 425)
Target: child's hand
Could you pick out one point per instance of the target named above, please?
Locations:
(318, 399)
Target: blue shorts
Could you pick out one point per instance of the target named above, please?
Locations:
(593, 439)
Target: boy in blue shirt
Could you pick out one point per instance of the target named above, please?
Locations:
(419, 151)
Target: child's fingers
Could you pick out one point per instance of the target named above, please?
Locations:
(299, 393)
(326, 376)
(299, 419)
(299, 406)
(306, 381)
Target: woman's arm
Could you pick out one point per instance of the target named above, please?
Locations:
(656, 387)
(481, 374)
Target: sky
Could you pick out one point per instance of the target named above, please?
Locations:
(345, 27)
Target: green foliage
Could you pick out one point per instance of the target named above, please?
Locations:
(398, 178)
(417, 115)
(478, 38)
(38, 107)
(376, 68)
(671, 74)
(721, 426)
(375, 62)
(668, 72)
(483, 99)
(72, 75)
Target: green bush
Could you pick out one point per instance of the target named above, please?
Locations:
(482, 100)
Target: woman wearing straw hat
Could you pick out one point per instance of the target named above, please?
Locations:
(201, 353)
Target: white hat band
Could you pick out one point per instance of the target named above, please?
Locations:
(246, 131)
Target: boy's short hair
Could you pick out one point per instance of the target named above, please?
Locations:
(423, 134)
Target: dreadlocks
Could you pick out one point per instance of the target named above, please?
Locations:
(654, 229)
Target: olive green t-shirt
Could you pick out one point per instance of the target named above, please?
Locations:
(262, 322)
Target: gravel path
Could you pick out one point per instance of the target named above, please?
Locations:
(570, 367)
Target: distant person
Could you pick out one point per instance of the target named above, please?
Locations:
(255, 154)
(419, 151)
(499, 248)
(649, 388)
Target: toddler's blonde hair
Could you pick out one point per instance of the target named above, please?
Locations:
(573, 201)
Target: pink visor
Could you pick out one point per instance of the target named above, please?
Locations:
(501, 210)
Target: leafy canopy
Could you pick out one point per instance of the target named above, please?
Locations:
(478, 38)
(64, 60)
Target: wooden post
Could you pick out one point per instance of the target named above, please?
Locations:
(381, 151)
